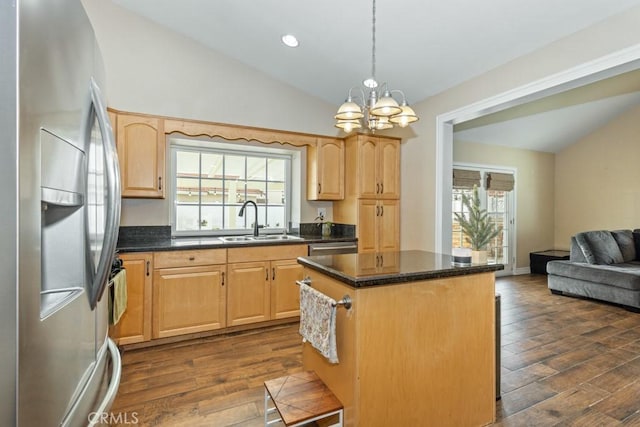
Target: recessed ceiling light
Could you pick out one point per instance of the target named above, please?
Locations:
(290, 40)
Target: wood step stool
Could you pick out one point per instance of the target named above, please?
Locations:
(299, 399)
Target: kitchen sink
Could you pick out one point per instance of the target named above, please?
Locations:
(237, 238)
(183, 241)
(277, 237)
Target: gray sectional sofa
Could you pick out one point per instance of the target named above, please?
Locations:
(603, 265)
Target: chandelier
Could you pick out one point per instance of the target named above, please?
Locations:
(379, 110)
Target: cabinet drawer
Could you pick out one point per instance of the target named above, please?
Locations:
(189, 258)
(266, 253)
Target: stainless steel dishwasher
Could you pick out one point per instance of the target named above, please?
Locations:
(332, 248)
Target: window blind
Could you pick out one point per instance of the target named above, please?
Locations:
(500, 181)
(463, 178)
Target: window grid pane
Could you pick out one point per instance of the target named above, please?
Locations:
(211, 186)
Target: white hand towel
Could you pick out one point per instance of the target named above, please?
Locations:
(318, 321)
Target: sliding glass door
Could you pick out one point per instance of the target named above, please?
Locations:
(497, 201)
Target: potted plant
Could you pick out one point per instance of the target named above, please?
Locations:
(477, 227)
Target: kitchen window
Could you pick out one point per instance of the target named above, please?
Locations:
(211, 181)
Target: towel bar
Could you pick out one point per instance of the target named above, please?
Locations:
(345, 301)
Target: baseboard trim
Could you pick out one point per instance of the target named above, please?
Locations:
(522, 270)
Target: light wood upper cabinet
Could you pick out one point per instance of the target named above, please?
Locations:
(376, 163)
(141, 154)
(135, 324)
(366, 168)
(325, 170)
(388, 164)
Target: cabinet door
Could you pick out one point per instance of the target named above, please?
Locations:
(388, 168)
(285, 294)
(388, 225)
(368, 185)
(330, 170)
(367, 228)
(135, 324)
(141, 153)
(248, 293)
(188, 299)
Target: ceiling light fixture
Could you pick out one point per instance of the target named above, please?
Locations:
(380, 110)
(290, 40)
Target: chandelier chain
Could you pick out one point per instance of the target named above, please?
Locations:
(373, 41)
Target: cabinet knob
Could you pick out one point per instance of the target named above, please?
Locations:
(159, 183)
(381, 210)
(148, 267)
(223, 278)
(266, 274)
(319, 188)
(377, 188)
(381, 187)
(273, 273)
(192, 258)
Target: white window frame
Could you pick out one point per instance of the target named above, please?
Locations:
(223, 147)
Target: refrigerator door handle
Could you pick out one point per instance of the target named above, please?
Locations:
(110, 395)
(112, 178)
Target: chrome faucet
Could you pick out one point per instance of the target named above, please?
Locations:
(255, 223)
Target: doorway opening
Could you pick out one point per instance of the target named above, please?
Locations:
(600, 69)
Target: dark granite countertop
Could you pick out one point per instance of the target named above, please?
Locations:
(386, 268)
(158, 238)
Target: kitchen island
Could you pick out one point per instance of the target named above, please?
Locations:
(417, 346)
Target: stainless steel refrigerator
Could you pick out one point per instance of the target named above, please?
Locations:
(59, 216)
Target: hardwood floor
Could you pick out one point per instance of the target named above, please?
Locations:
(565, 362)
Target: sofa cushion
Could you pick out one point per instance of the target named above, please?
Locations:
(599, 247)
(625, 241)
(625, 275)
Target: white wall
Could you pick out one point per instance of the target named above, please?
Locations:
(597, 180)
(418, 152)
(155, 71)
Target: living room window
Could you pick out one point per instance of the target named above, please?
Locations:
(211, 181)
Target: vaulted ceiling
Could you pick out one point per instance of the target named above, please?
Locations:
(423, 47)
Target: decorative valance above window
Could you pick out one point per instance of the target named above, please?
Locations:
(463, 178)
(500, 181)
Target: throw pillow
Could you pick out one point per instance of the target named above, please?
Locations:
(625, 241)
(599, 247)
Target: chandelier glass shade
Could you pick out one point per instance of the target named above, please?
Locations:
(379, 110)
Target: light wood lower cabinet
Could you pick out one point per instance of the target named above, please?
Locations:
(188, 300)
(182, 292)
(265, 288)
(285, 294)
(248, 295)
(378, 225)
(135, 324)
